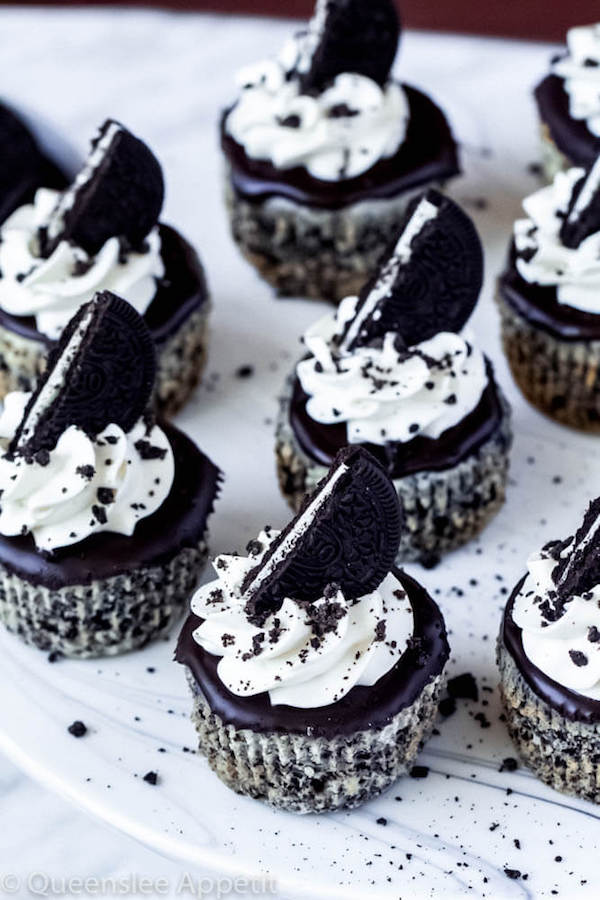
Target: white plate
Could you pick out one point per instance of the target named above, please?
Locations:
(455, 831)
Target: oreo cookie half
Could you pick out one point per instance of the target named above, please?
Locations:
(101, 371)
(429, 282)
(351, 36)
(118, 193)
(583, 214)
(347, 533)
(579, 570)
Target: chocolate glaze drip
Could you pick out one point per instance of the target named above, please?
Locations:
(428, 153)
(568, 703)
(180, 292)
(362, 708)
(571, 136)
(538, 304)
(321, 442)
(179, 522)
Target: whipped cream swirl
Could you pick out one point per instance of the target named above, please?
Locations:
(85, 484)
(562, 639)
(389, 393)
(544, 259)
(53, 289)
(580, 69)
(337, 134)
(305, 655)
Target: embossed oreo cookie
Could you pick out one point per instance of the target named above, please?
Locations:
(101, 371)
(583, 214)
(351, 36)
(347, 533)
(430, 280)
(579, 570)
(118, 193)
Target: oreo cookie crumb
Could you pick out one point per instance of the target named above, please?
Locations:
(512, 873)
(77, 729)
(86, 472)
(380, 630)
(148, 451)
(151, 778)
(482, 719)
(99, 514)
(416, 644)
(463, 687)
(509, 764)
(291, 121)
(244, 371)
(447, 706)
(419, 772)
(534, 168)
(42, 457)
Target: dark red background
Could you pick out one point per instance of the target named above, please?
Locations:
(532, 19)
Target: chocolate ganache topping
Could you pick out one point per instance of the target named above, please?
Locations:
(315, 618)
(325, 123)
(388, 369)
(552, 622)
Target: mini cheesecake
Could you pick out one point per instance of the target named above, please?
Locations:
(102, 233)
(324, 149)
(315, 665)
(24, 167)
(549, 660)
(549, 299)
(103, 511)
(390, 371)
(568, 102)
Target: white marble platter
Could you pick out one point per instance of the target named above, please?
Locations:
(455, 832)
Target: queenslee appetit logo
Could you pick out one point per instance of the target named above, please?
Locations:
(43, 884)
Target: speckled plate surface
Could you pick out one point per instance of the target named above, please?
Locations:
(467, 827)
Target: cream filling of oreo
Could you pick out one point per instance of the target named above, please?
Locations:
(305, 655)
(66, 199)
(55, 381)
(338, 134)
(53, 289)
(573, 271)
(85, 484)
(581, 72)
(563, 642)
(303, 523)
(387, 394)
(425, 212)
